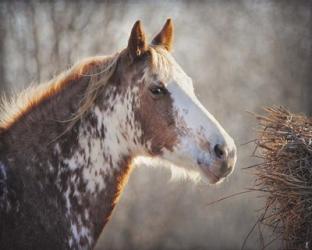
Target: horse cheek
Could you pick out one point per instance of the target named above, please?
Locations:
(157, 123)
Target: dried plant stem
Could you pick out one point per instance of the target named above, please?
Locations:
(285, 143)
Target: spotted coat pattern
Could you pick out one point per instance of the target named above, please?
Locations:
(59, 194)
(66, 156)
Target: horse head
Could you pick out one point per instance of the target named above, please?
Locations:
(173, 124)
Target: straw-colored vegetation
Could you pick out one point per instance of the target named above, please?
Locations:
(285, 143)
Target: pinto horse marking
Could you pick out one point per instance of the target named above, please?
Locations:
(67, 147)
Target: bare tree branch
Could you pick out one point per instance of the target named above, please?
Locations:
(36, 51)
(3, 86)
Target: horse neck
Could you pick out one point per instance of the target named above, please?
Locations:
(94, 173)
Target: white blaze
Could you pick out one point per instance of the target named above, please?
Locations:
(202, 130)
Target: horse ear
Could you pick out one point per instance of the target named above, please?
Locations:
(137, 42)
(165, 36)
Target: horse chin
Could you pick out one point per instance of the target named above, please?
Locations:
(209, 175)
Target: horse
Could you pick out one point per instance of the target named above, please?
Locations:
(67, 146)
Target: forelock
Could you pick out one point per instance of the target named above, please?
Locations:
(167, 69)
(162, 63)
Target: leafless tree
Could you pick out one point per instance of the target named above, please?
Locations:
(242, 55)
(2, 50)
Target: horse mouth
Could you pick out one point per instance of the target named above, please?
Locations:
(210, 175)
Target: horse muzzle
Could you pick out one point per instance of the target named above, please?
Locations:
(220, 165)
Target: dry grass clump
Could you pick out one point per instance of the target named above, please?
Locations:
(285, 143)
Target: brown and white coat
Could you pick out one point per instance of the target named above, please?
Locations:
(67, 150)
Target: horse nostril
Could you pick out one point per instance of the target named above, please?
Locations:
(220, 151)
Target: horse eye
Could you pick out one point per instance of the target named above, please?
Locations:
(158, 90)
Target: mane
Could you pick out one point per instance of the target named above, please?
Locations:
(99, 69)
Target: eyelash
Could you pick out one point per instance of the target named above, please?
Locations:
(158, 90)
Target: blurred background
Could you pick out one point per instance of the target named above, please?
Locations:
(242, 56)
